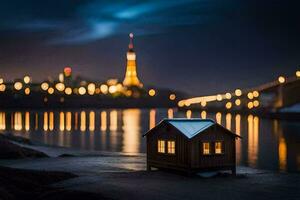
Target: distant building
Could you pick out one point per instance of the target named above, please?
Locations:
(131, 79)
(191, 145)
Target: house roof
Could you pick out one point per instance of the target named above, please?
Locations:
(191, 127)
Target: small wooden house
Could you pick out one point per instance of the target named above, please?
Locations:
(191, 145)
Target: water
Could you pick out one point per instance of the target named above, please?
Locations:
(266, 144)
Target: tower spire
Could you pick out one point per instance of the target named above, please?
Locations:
(130, 46)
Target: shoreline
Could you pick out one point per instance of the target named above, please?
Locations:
(54, 153)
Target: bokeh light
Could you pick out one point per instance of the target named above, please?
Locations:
(151, 92)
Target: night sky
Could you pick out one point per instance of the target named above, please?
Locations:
(199, 46)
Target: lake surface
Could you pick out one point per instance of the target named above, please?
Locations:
(266, 144)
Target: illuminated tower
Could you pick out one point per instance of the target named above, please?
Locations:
(131, 78)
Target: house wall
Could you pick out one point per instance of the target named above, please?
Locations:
(213, 134)
(179, 161)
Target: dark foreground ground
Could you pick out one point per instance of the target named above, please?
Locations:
(31, 184)
(98, 176)
(25, 184)
(162, 185)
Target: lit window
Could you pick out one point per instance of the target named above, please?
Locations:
(218, 147)
(161, 146)
(206, 148)
(171, 147)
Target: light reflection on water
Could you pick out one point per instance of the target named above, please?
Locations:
(266, 144)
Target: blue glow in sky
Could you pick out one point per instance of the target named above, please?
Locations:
(96, 20)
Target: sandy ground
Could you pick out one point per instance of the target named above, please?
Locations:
(123, 176)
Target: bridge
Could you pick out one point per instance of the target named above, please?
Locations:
(271, 96)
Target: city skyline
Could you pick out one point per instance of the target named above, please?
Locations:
(186, 45)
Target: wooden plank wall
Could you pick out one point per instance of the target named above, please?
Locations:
(211, 135)
(168, 132)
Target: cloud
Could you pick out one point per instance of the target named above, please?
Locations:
(95, 20)
(144, 17)
(95, 31)
(132, 12)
